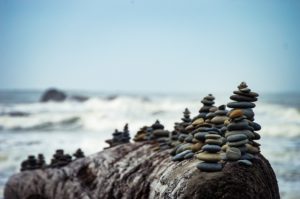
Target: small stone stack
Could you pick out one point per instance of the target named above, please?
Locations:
(160, 135)
(208, 103)
(119, 137)
(211, 152)
(141, 134)
(125, 135)
(32, 163)
(79, 154)
(60, 159)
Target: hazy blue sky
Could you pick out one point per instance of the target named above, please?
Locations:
(153, 45)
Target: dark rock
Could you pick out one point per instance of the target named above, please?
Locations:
(211, 148)
(53, 95)
(245, 162)
(242, 98)
(237, 137)
(209, 167)
(239, 126)
(250, 94)
(241, 105)
(79, 98)
(233, 153)
(181, 156)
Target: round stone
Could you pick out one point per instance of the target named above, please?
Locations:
(245, 162)
(241, 105)
(212, 136)
(239, 143)
(211, 148)
(209, 167)
(209, 97)
(183, 147)
(233, 153)
(214, 142)
(161, 133)
(209, 157)
(189, 138)
(207, 102)
(221, 112)
(210, 115)
(256, 136)
(204, 109)
(255, 126)
(197, 146)
(242, 98)
(236, 113)
(236, 138)
(245, 90)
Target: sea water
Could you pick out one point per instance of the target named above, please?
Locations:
(28, 126)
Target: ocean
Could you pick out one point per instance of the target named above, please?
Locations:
(28, 126)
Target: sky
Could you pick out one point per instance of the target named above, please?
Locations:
(150, 46)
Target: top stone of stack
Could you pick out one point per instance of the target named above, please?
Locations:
(244, 99)
(208, 103)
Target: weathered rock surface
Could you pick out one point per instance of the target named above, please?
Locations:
(137, 171)
(53, 95)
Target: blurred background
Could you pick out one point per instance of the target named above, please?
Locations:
(137, 61)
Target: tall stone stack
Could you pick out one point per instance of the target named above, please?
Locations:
(240, 133)
(126, 135)
(220, 116)
(157, 133)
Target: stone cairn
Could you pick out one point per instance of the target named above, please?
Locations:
(60, 159)
(189, 143)
(160, 135)
(32, 163)
(119, 137)
(141, 134)
(240, 133)
(79, 154)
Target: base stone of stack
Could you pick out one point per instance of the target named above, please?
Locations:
(135, 171)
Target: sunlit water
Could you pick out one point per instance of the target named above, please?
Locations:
(70, 125)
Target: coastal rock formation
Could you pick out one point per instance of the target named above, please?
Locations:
(53, 95)
(134, 171)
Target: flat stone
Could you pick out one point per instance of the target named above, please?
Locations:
(207, 102)
(238, 126)
(212, 136)
(250, 94)
(161, 133)
(204, 109)
(248, 133)
(242, 98)
(182, 137)
(189, 138)
(209, 97)
(180, 156)
(189, 127)
(214, 142)
(209, 157)
(209, 167)
(233, 153)
(211, 148)
(245, 162)
(245, 90)
(256, 136)
(236, 138)
(221, 112)
(241, 105)
(183, 147)
(239, 119)
(218, 119)
(239, 143)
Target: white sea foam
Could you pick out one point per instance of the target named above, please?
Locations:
(97, 114)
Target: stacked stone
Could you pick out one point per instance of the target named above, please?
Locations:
(41, 163)
(60, 159)
(79, 154)
(220, 116)
(125, 135)
(208, 103)
(181, 132)
(211, 152)
(160, 135)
